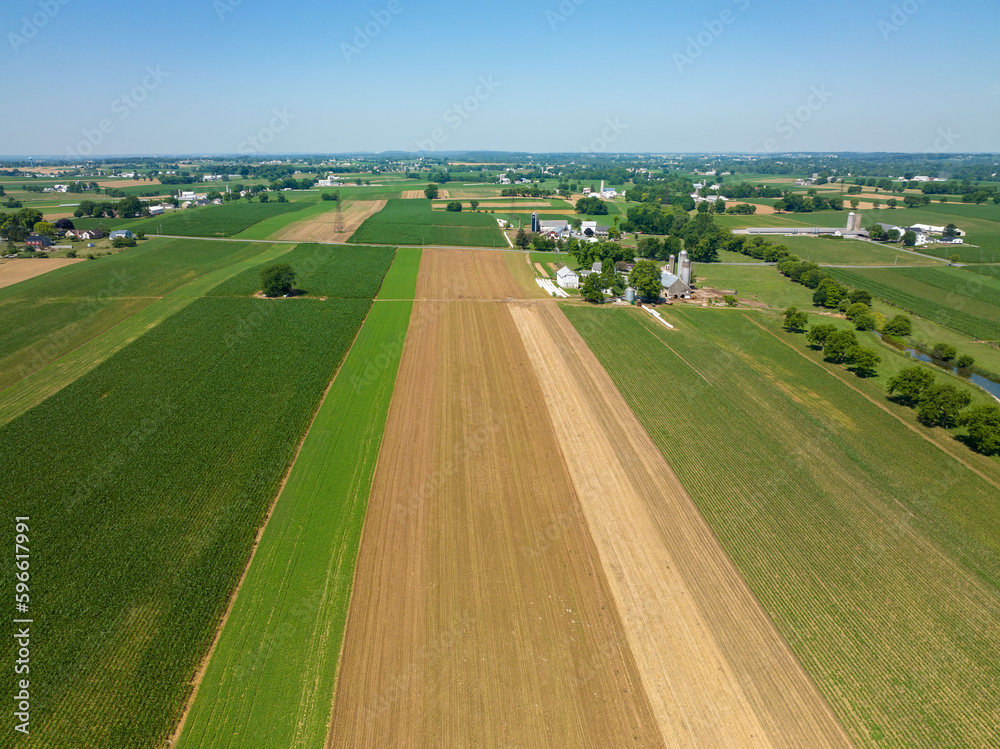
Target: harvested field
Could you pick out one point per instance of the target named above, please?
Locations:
(763, 209)
(413, 194)
(323, 227)
(15, 271)
(541, 270)
(470, 274)
(716, 670)
(480, 615)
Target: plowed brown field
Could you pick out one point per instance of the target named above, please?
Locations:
(480, 615)
(717, 672)
(469, 274)
(322, 228)
(15, 271)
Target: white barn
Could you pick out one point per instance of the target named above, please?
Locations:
(567, 279)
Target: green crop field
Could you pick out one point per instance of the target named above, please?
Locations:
(401, 280)
(875, 551)
(210, 221)
(850, 252)
(36, 387)
(46, 317)
(412, 222)
(946, 296)
(143, 540)
(271, 678)
(322, 270)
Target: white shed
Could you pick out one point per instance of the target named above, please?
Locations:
(567, 279)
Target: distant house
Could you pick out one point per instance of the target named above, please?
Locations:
(85, 233)
(121, 233)
(186, 195)
(38, 241)
(156, 210)
(567, 279)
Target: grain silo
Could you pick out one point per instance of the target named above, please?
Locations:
(857, 222)
(850, 221)
(684, 267)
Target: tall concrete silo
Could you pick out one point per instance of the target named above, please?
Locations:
(850, 221)
(672, 265)
(857, 222)
(684, 267)
(534, 223)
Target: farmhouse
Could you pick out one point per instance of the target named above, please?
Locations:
(567, 279)
(120, 233)
(85, 233)
(38, 242)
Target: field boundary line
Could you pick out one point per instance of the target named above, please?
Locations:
(364, 530)
(885, 408)
(203, 666)
(670, 348)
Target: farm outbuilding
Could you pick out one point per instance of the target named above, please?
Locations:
(567, 279)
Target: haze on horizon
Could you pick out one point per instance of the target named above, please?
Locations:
(235, 76)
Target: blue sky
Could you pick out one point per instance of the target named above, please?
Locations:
(256, 76)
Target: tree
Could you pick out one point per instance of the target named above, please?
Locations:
(591, 207)
(876, 204)
(140, 234)
(876, 232)
(277, 280)
(129, 207)
(944, 351)
(474, 204)
(864, 361)
(838, 344)
(829, 293)
(330, 196)
(45, 229)
(730, 300)
(866, 321)
(431, 191)
(899, 326)
(941, 405)
(522, 239)
(965, 362)
(645, 279)
(892, 235)
(983, 423)
(858, 308)
(909, 238)
(891, 203)
(611, 280)
(950, 231)
(854, 204)
(649, 247)
(263, 198)
(818, 334)
(955, 259)
(910, 384)
(63, 224)
(795, 321)
(122, 242)
(592, 289)
(454, 206)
